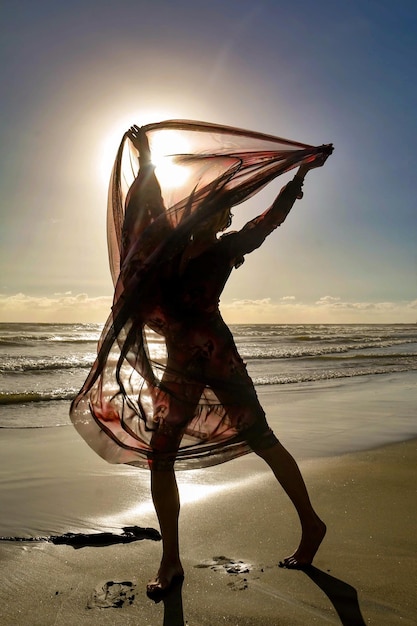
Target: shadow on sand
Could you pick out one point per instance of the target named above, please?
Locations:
(344, 597)
(173, 609)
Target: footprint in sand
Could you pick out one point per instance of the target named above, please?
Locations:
(230, 566)
(112, 595)
(240, 584)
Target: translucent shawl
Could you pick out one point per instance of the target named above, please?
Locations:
(169, 180)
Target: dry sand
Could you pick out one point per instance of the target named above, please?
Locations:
(364, 573)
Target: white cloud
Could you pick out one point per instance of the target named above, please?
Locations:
(61, 307)
(326, 310)
(327, 300)
(72, 308)
(252, 303)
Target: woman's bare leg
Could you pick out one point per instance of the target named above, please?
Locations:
(166, 439)
(289, 476)
(167, 505)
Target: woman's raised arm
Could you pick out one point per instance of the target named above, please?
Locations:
(254, 233)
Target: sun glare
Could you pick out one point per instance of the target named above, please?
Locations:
(164, 146)
(191, 491)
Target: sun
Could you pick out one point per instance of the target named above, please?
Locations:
(164, 146)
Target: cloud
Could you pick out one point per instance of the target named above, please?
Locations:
(326, 310)
(327, 300)
(252, 303)
(61, 307)
(74, 308)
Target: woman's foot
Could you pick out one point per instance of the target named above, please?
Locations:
(168, 573)
(310, 542)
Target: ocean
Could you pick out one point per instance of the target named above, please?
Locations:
(42, 366)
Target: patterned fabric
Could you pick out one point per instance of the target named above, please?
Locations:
(185, 396)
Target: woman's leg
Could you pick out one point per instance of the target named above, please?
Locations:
(175, 406)
(167, 505)
(289, 476)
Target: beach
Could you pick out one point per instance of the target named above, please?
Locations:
(236, 524)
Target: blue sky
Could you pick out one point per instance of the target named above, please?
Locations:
(74, 75)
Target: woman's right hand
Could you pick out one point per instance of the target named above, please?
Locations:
(317, 161)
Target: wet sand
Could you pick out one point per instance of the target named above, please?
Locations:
(232, 541)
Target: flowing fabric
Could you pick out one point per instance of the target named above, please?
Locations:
(168, 383)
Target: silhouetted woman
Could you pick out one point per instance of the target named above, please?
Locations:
(168, 386)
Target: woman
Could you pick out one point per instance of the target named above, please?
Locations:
(196, 405)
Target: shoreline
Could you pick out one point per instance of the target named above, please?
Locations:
(51, 482)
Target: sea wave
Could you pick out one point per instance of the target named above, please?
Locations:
(30, 396)
(16, 365)
(311, 377)
(24, 364)
(27, 397)
(292, 352)
(326, 332)
(36, 340)
(367, 356)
